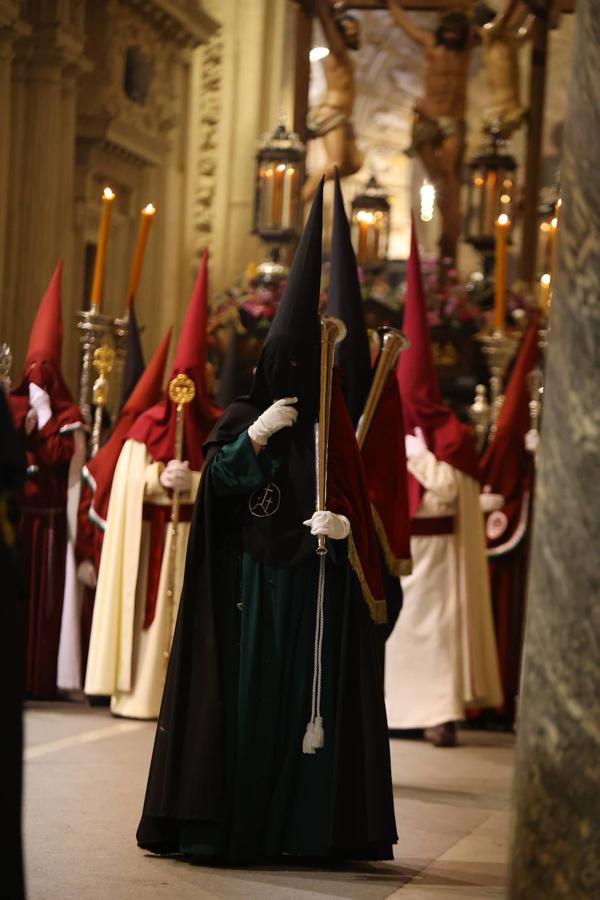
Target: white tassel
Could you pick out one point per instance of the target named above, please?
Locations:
(314, 736)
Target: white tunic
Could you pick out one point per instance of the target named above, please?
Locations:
(441, 656)
(125, 660)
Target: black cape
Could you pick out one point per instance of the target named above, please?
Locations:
(188, 777)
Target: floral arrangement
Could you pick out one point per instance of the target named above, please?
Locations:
(247, 306)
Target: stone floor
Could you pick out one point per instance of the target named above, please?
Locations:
(85, 778)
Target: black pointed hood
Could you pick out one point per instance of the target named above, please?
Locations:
(345, 303)
(297, 315)
(134, 358)
(289, 362)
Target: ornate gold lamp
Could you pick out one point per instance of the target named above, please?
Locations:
(370, 224)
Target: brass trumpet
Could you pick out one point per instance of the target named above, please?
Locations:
(332, 332)
(392, 343)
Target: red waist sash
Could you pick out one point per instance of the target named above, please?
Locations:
(435, 525)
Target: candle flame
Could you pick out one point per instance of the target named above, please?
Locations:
(544, 226)
(363, 215)
(505, 198)
(554, 222)
(149, 210)
(108, 194)
(281, 167)
(503, 219)
(559, 203)
(546, 279)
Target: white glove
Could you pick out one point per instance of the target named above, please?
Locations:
(330, 524)
(281, 414)
(414, 443)
(31, 421)
(176, 476)
(490, 502)
(532, 440)
(86, 573)
(40, 402)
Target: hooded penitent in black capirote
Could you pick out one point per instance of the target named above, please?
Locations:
(134, 357)
(228, 776)
(344, 301)
(353, 355)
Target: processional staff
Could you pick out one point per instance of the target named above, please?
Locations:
(182, 391)
(393, 342)
(103, 361)
(332, 332)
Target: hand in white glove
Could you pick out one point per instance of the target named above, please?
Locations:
(31, 421)
(414, 443)
(86, 573)
(176, 476)
(490, 502)
(330, 524)
(40, 402)
(532, 440)
(281, 414)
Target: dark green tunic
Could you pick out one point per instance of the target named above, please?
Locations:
(280, 796)
(228, 778)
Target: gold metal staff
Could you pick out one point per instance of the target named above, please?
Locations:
(103, 361)
(393, 342)
(332, 332)
(182, 391)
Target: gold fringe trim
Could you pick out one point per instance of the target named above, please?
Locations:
(377, 608)
(396, 566)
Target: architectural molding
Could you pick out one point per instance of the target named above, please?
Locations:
(181, 21)
(207, 149)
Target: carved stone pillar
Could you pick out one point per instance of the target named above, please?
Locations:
(556, 841)
(11, 27)
(43, 156)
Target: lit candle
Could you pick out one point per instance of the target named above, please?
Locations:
(277, 196)
(553, 242)
(146, 219)
(107, 200)
(490, 201)
(544, 292)
(502, 226)
(288, 191)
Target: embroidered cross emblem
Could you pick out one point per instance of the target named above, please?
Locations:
(265, 501)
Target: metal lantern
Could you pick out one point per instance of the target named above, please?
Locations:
(279, 178)
(490, 192)
(371, 224)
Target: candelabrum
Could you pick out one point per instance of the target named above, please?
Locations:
(499, 349)
(480, 412)
(103, 362)
(95, 330)
(5, 367)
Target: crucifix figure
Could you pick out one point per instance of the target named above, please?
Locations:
(501, 35)
(438, 137)
(330, 120)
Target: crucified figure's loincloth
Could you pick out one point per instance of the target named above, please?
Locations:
(429, 130)
(323, 118)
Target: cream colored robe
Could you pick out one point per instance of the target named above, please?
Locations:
(441, 656)
(125, 661)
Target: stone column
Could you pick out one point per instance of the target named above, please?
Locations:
(42, 153)
(10, 29)
(556, 840)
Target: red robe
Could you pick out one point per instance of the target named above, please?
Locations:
(508, 469)
(42, 536)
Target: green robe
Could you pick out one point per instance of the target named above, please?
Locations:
(279, 796)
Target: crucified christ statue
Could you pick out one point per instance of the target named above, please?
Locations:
(439, 117)
(501, 35)
(330, 120)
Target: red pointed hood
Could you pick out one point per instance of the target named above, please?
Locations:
(45, 340)
(506, 461)
(422, 403)
(43, 362)
(156, 428)
(100, 470)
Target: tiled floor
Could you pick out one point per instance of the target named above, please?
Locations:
(85, 778)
